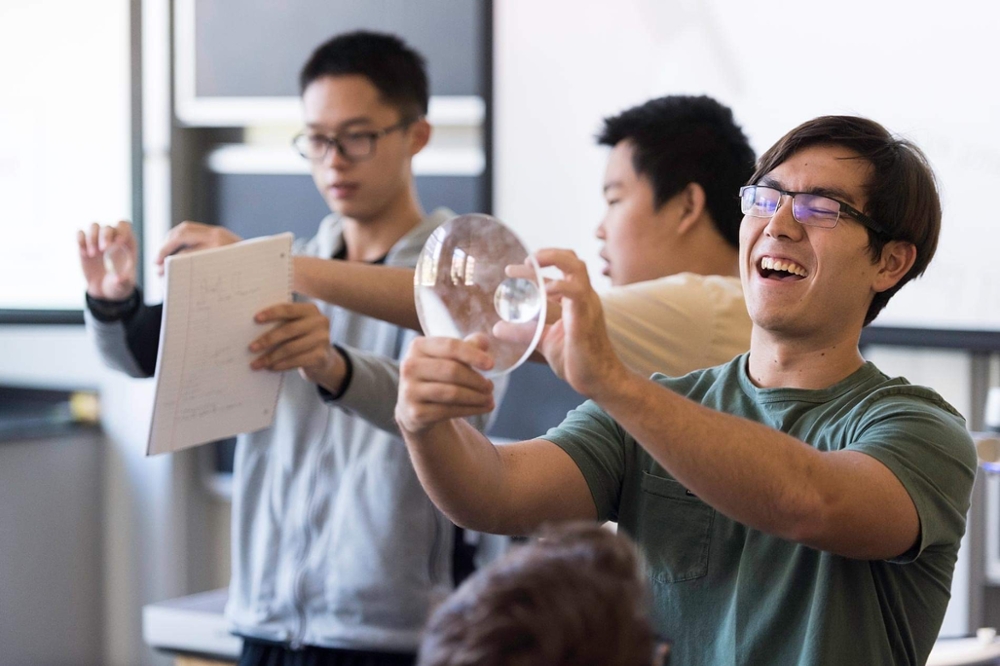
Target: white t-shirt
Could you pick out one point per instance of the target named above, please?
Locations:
(677, 323)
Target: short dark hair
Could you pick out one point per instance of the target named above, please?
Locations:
(682, 139)
(576, 596)
(901, 194)
(396, 70)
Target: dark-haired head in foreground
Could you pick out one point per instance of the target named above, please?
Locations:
(575, 596)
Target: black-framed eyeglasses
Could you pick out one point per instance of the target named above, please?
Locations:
(354, 146)
(815, 210)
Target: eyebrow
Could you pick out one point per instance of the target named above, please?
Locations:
(832, 192)
(347, 124)
(612, 184)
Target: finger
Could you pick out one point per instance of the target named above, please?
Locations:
(565, 260)
(105, 238)
(95, 230)
(81, 242)
(574, 289)
(451, 349)
(449, 394)
(480, 340)
(310, 357)
(511, 332)
(315, 341)
(285, 311)
(291, 329)
(185, 236)
(125, 236)
(525, 270)
(444, 371)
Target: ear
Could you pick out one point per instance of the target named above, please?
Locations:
(420, 135)
(896, 261)
(692, 203)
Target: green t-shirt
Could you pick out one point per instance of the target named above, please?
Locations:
(728, 594)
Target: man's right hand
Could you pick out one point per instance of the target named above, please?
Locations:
(191, 236)
(118, 244)
(438, 380)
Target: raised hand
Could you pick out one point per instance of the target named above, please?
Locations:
(439, 380)
(108, 257)
(190, 236)
(577, 346)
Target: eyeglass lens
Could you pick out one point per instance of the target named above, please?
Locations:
(811, 209)
(354, 145)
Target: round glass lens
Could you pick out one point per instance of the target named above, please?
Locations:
(474, 276)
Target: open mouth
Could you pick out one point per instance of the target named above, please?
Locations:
(782, 270)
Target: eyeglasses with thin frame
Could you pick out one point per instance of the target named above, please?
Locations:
(814, 210)
(353, 146)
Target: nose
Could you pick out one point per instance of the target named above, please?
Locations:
(783, 223)
(335, 160)
(599, 232)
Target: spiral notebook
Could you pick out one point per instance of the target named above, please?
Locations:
(205, 389)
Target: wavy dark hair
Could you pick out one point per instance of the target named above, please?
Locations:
(575, 596)
(901, 193)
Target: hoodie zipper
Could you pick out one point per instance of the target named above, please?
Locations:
(298, 583)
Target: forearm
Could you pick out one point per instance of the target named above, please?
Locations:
(128, 344)
(382, 292)
(462, 473)
(754, 474)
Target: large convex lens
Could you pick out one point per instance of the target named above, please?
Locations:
(474, 277)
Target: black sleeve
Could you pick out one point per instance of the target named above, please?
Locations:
(142, 332)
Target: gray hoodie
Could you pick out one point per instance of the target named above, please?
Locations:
(334, 542)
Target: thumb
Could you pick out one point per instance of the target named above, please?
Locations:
(480, 340)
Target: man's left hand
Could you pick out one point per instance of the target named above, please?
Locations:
(577, 346)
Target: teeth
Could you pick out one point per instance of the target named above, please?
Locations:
(785, 266)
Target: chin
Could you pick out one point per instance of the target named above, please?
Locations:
(344, 208)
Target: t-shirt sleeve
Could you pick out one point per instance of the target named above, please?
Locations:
(598, 446)
(653, 325)
(928, 448)
(677, 324)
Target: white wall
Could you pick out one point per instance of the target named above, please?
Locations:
(563, 65)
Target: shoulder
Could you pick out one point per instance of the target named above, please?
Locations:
(896, 408)
(703, 300)
(896, 395)
(407, 249)
(696, 384)
(328, 239)
(672, 287)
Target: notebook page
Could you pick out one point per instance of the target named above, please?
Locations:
(205, 389)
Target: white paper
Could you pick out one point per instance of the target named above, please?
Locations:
(205, 389)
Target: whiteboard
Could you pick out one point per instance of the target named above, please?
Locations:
(65, 137)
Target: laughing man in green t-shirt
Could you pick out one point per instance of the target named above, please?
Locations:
(795, 506)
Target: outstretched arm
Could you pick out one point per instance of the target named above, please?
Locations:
(501, 489)
(382, 292)
(845, 502)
